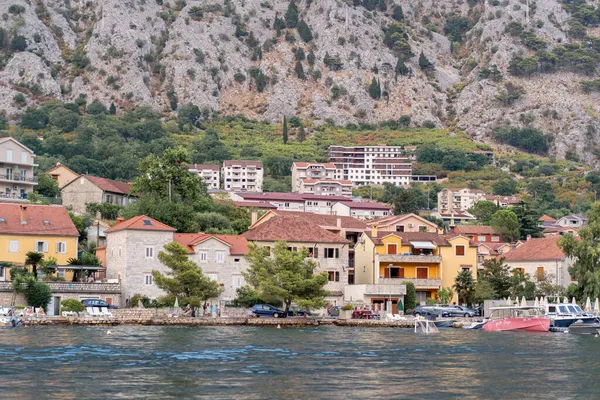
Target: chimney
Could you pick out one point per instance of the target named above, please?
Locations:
(23, 214)
(339, 222)
(253, 217)
(119, 220)
(374, 230)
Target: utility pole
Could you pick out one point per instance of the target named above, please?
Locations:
(170, 190)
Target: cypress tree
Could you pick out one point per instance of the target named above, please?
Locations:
(291, 15)
(374, 89)
(285, 131)
(300, 70)
(398, 14)
(304, 31)
(300, 54)
(424, 63)
(382, 5)
(112, 110)
(401, 68)
(311, 58)
(301, 134)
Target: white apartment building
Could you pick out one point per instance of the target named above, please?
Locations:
(326, 187)
(242, 176)
(458, 200)
(209, 174)
(16, 170)
(307, 170)
(365, 165)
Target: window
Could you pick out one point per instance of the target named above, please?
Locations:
(465, 268)
(313, 252)
(203, 256)
(540, 273)
(149, 252)
(495, 238)
(1, 272)
(9, 155)
(517, 270)
(24, 157)
(14, 246)
(213, 277)
(392, 249)
(334, 276)
(394, 272)
(422, 273)
(332, 253)
(481, 238)
(61, 247)
(399, 228)
(237, 281)
(459, 250)
(220, 257)
(41, 247)
(422, 228)
(236, 260)
(148, 279)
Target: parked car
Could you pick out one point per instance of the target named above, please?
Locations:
(429, 311)
(96, 303)
(266, 310)
(461, 311)
(297, 312)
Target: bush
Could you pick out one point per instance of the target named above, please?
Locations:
(18, 43)
(16, 9)
(135, 300)
(71, 305)
(38, 295)
(410, 300)
(529, 139)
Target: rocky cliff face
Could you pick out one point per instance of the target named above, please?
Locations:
(242, 57)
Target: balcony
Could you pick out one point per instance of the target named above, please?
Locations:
(419, 283)
(386, 290)
(18, 178)
(410, 258)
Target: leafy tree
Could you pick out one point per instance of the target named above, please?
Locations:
(245, 296)
(186, 281)
(482, 291)
(506, 224)
(456, 26)
(34, 259)
(463, 284)
(278, 166)
(188, 114)
(209, 148)
(382, 6)
(505, 187)
(38, 294)
(445, 295)
(529, 139)
(528, 220)
(521, 285)
(47, 186)
(106, 210)
(410, 299)
(304, 31)
(286, 276)
(510, 93)
(112, 110)
(483, 211)
(396, 39)
(495, 272)
(63, 119)
(34, 118)
(71, 305)
(546, 287)
(212, 222)
(584, 251)
(291, 15)
(299, 69)
(96, 108)
(285, 131)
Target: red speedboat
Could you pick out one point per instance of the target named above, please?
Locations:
(517, 319)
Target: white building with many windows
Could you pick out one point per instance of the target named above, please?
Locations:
(16, 170)
(242, 176)
(366, 165)
(209, 174)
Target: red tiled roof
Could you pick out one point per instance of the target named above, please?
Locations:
(108, 185)
(238, 245)
(255, 204)
(327, 220)
(365, 205)
(58, 165)
(58, 221)
(475, 230)
(141, 222)
(537, 250)
(243, 163)
(546, 218)
(323, 197)
(301, 164)
(309, 181)
(200, 167)
(272, 196)
(292, 228)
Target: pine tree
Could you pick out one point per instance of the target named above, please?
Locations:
(301, 134)
(304, 31)
(424, 63)
(382, 5)
(398, 14)
(401, 68)
(300, 70)
(285, 131)
(112, 110)
(291, 15)
(374, 89)
(311, 58)
(300, 54)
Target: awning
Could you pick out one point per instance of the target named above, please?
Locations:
(423, 245)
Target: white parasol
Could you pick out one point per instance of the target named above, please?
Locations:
(573, 301)
(536, 303)
(176, 305)
(508, 301)
(588, 304)
(596, 306)
(523, 302)
(565, 300)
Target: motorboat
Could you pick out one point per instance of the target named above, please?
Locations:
(562, 315)
(475, 325)
(585, 328)
(517, 318)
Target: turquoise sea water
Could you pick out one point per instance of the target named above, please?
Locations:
(139, 362)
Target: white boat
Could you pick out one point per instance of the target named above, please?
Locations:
(563, 315)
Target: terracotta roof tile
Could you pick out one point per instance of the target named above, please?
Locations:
(536, 250)
(327, 221)
(200, 167)
(300, 164)
(58, 221)
(292, 228)
(309, 181)
(141, 222)
(546, 218)
(255, 204)
(475, 230)
(365, 205)
(243, 163)
(238, 244)
(108, 185)
(435, 238)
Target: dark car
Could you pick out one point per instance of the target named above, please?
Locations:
(461, 311)
(429, 311)
(297, 312)
(97, 303)
(266, 310)
(479, 310)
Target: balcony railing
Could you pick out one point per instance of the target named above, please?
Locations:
(398, 290)
(17, 178)
(410, 258)
(419, 283)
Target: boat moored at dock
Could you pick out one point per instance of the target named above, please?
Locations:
(517, 318)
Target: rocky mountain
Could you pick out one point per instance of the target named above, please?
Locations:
(470, 65)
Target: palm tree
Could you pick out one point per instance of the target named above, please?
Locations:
(34, 258)
(463, 284)
(20, 278)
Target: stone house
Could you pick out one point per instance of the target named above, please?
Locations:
(329, 250)
(62, 174)
(92, 189)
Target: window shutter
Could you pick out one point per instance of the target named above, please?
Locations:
(45, 247)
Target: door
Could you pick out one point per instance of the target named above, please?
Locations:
(56, 308)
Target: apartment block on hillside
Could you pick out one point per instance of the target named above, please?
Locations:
(242, 176)
(16, 170)
(458, 200)
(209, 174)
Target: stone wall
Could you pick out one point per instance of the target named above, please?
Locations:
(110, 292)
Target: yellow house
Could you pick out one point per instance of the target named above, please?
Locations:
(62, 174)
(45, 229)
(429, 260)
